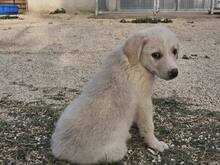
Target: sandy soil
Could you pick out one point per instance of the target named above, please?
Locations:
(66, 51)
(46, 60)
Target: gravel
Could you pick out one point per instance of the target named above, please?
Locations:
(66, 51)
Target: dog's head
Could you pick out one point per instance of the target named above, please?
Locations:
(156, 50)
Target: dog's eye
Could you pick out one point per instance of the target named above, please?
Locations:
(156, 55)
(175, 52)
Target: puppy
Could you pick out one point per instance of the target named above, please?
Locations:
(95, 126)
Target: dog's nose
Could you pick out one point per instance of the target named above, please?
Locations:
(173, 73)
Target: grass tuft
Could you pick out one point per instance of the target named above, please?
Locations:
(9, 17)
(148, 20)
(59, 11)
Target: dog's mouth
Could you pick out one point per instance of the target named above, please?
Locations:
(152, 72)
(168, 77)
(171, 78)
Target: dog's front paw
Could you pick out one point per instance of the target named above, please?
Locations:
(157, 145)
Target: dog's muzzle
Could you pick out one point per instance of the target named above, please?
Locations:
(173, 73)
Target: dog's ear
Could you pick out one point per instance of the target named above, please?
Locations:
(133, 48)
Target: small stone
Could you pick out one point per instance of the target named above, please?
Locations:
(185, 57)
(159, 158)
(172, 145)
(207, 57)
(152, 151)
(184, 146)
(34, 89)
(154, 161)
(123, 21)
(190, 22)
(194, 55)
(130, 151)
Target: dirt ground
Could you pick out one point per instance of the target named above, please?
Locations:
(45, 61)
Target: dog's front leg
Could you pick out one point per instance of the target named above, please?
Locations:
(146, 126)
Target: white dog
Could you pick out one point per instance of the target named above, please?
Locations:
(95, 126)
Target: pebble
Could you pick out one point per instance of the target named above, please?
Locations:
(172, 145)
(185, 57)
(154, 161)
(207, 57)
(184, 146)
(152, 151)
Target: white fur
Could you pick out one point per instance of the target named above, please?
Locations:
(95, 126)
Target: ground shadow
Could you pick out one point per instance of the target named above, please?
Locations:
(193, 135)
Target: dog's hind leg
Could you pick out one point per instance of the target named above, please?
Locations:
(114, 152)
